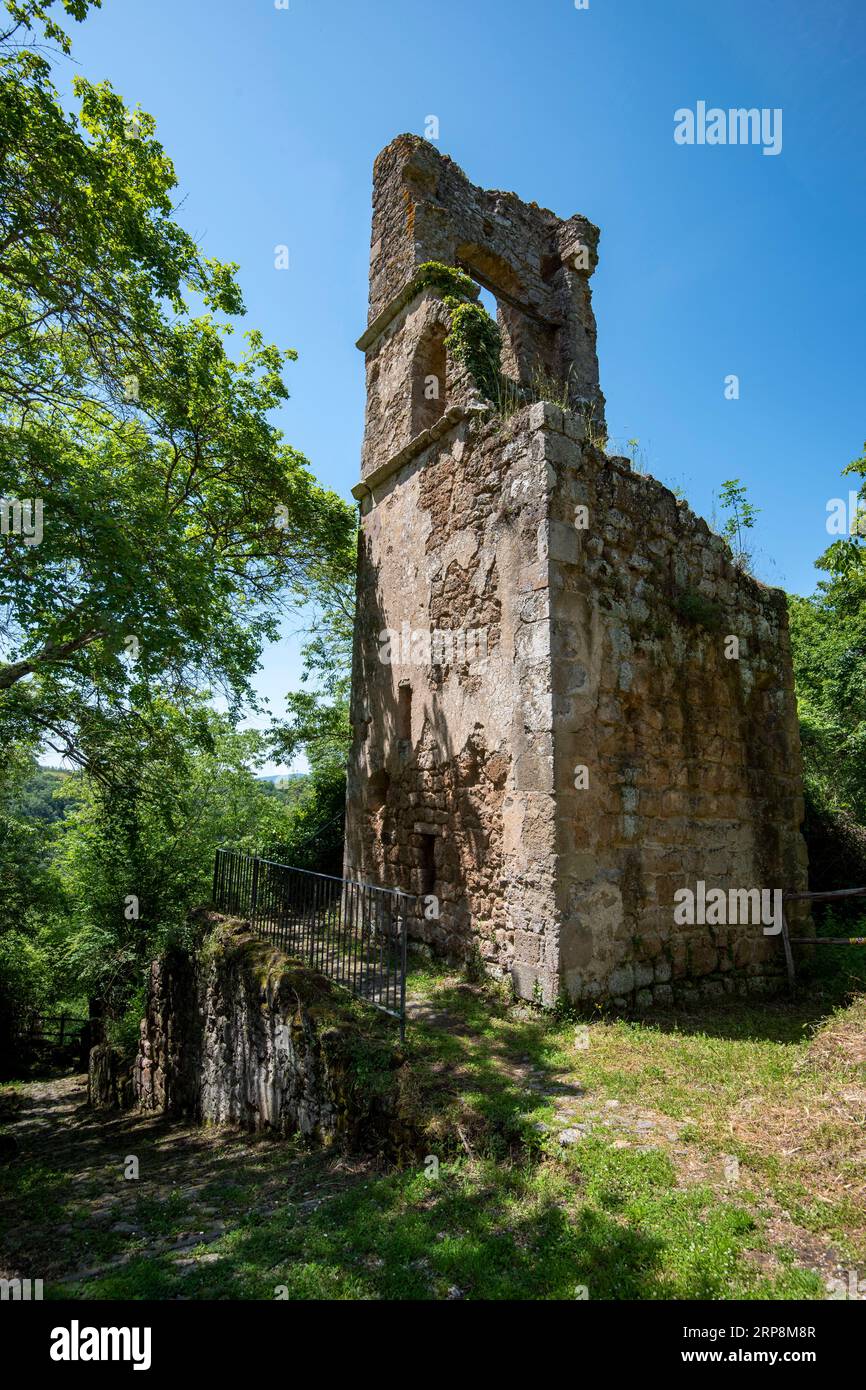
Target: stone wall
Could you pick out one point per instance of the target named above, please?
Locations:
(452, 547)
(673, 686)
(236, 1033)
(109, 1078)
(536, 264)
(604, 649)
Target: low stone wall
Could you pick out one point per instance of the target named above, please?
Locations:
(237, 1033)
(109, 1078)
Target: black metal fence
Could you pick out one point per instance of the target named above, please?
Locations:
(50, 1030)
(355, 933)
(828, 895)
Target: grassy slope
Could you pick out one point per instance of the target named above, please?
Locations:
(641, 1203)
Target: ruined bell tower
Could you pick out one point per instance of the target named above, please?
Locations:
(568, 702)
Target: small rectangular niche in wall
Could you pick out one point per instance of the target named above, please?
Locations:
(404, 712)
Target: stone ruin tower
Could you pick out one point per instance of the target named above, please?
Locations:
(550, 737)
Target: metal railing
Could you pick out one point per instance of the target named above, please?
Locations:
(826, 896)
(355, 933)
(51, 1030)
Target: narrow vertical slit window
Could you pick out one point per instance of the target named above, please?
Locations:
(428, 864)
(404, 712)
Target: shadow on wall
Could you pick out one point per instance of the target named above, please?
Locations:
(409, 783)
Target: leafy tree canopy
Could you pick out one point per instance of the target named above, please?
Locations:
(176, 521)
(829, 643)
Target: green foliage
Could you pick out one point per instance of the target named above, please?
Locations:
(733, 499)
(314, 838)
(27, 15)
(135, 856)
(445, 280)
(178, 528)
(475, 341)
(287, 788)
(474, 338)
(177, 519)
(26, 981)
(828, 644)
(319, 723)
(695, 608)
(27, 836)
(29, 891)
(828, 641)
(46, 795)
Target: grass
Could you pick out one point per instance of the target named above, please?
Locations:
(480, 1230)
(639, 1203)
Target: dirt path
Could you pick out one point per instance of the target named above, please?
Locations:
(69, 1213)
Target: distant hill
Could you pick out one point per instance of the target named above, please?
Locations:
(286, 785)
(44, 796)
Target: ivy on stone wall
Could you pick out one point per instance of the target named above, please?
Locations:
(446, 280)
(474, 339)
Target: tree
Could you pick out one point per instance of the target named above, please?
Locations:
(318, 723)
(828, 633)
(176, 521)
(27, 15)
(154, 527)
(318, 720)
(134, 858)
(733, 499)
(29, 895)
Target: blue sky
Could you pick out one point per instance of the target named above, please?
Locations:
(715, 260)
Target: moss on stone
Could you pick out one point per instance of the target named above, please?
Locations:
(474, 339)
(215, 1017)
(694, 608)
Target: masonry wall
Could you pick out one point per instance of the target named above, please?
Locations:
(452, 543)
(396, 373)
(606, 651)
(690, 739)
(537, 264)
(237, 1033)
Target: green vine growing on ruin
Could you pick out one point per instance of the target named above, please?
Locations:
(446, 279)
(474, 339)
